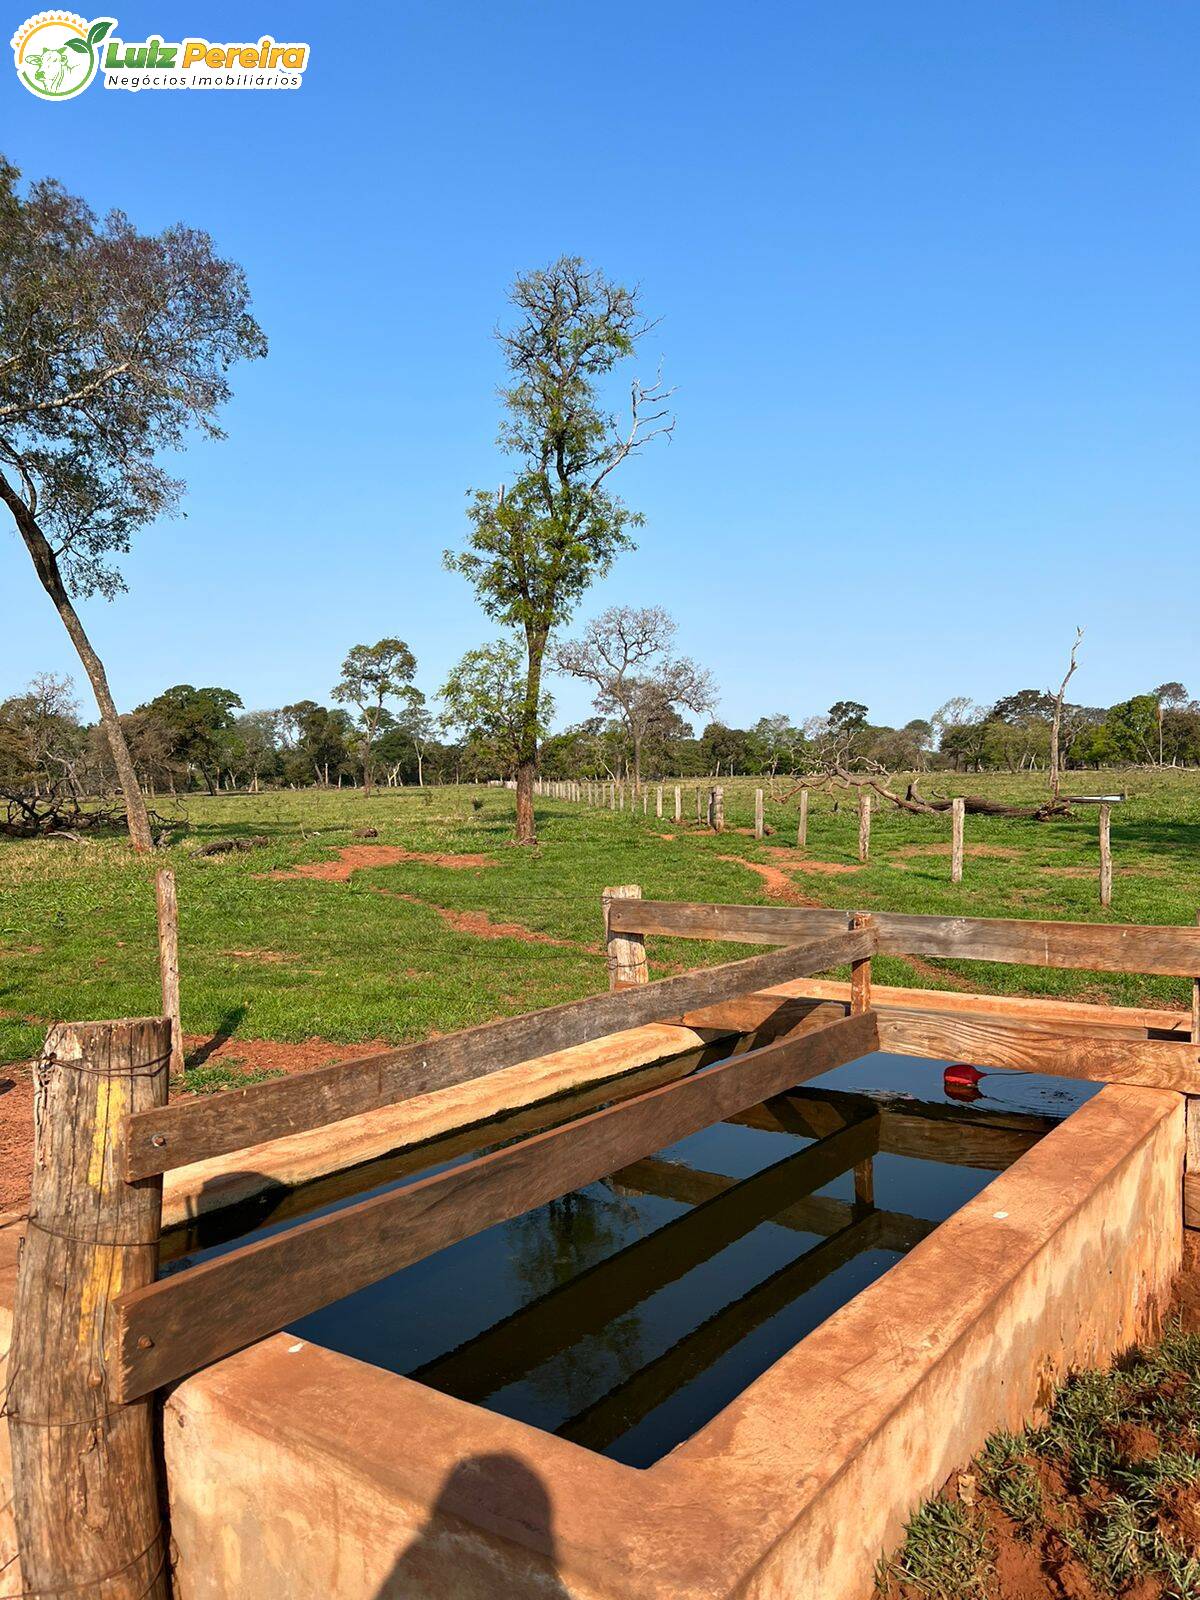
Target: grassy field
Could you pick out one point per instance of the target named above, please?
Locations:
(397, 951)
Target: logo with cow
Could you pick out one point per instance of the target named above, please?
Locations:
(57, 53)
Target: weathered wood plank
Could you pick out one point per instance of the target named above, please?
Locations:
(192, 1130)
(167, 905)
(985, 1042)
(1129, 1022)
(625, 952)
(1096, 947)
(735, 923)
(860, 972)
(85, 1475)
(172, 1327)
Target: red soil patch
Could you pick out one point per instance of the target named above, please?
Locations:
(829, 869)
(269, 1054)
(1185, 1302)
(482, 926)
(777, 883)
(352, 858)
(16, 1134)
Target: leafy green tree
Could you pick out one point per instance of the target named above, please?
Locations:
(251, 745)
(1181, 731)
(727, 749)
(195, 719)
(1170, 697)
(485, 696)
(1095, 746)
(407, 737)
(40, 736)
(1026, 705)
(114, 345)
(781, 743)
(371, 675)
(533, 551)
(1133, 728)
(316, 740)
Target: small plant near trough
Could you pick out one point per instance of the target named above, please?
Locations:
(211, 1077)
(1102, 1500)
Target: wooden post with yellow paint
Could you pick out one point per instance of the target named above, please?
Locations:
(85, 1470)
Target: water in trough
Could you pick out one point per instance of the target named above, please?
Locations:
(624, 1316)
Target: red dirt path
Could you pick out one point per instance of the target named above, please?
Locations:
(776, 882)
(352, 858)
(482, 926)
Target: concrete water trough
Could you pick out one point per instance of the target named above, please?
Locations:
(294, 1469)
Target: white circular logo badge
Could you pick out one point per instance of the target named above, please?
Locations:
(57, 53)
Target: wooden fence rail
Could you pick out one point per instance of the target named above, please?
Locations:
(1094, 947)
(193, 1130)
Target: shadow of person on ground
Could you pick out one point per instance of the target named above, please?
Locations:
(510, 1505)
(226, 1028)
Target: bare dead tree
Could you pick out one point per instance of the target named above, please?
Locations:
(625, 653)
(1056, 720)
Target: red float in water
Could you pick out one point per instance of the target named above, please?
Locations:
(960, 1076)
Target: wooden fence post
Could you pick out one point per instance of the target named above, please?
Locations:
(658, 802)
(860, 1000)
(860, 971)
(758, 813)
(958, 811)
(716, 809)
(678, 804)
(626, 952)
(802, 825)
(85, 1473)
(622, 805)
(645, 802)
(698, 803)
(1106, 855)
(167, 905)
(864, 825)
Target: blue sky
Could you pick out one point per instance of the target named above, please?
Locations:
(928, 289)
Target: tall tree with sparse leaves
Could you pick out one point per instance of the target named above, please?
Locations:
(114, 344)
(532, 552)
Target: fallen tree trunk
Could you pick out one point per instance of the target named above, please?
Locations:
(57, 816)
(220, 847)
(973, 804)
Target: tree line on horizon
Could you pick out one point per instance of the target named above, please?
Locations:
(387, 732)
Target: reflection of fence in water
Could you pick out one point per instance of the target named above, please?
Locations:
(849, 1130)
